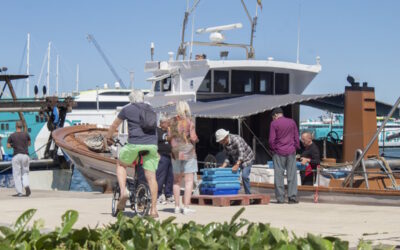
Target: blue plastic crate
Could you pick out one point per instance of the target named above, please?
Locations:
(216, 191)
(220, 178)
(226, 185)
(220, 172)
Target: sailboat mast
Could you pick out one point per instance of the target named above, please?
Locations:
(27, 63)
(77, 78)
(48, 69)
(58, 57)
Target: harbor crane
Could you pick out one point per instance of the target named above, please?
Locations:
(91, 38)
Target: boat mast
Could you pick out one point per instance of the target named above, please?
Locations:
(27, 63)
(58, 57)
(48, 69)
(77, 78)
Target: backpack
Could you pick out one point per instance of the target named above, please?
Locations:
(147, 119)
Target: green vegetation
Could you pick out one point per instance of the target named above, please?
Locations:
(147, 233)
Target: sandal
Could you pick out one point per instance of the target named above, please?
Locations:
(122, 203)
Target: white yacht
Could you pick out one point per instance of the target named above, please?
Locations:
(97, 106)
(242, 81)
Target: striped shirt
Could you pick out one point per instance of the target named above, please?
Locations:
(238, 150)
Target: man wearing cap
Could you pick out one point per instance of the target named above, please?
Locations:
(283, 141)
(237, 152)
(20, 141)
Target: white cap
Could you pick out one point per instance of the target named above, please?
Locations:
(221, 134)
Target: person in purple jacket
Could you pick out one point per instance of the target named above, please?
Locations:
(283, 141)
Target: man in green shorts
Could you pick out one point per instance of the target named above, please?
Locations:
(140, 138)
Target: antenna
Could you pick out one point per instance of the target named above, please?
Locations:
(216, 35)
(298, 34)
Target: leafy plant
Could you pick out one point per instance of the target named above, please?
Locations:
(147, 233)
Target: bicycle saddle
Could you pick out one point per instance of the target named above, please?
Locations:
(143, 153)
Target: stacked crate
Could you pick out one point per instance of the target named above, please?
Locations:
(220, 181)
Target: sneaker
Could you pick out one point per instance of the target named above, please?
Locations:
(27, 191)
(187, 210)
(170, 200)
(293, 201)
(177, 210)
(18, 195)
(161, 201)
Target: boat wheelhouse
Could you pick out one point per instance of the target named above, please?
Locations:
(206, 80)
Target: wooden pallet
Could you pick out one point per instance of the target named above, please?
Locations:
(231, 200)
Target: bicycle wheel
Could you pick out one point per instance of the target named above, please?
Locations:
(142, 200)
(115, 199)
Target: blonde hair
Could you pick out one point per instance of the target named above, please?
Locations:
(136, 96)
(183, 109)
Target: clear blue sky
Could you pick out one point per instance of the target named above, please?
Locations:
(358, 37)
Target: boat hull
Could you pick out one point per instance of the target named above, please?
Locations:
(101, 167)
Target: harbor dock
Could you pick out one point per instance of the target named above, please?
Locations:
(349, 222)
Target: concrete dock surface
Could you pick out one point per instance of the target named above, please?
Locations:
(379, 224)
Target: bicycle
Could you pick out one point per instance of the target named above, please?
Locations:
(139, 191)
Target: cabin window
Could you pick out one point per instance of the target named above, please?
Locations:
(7, 126)
(221, 81)
(265, 83)
(242, 81)
(166, 84)
(163, 85)
(37, 118)
(205, 85)
(157, 87)
(281, 84)
(29, 130)
(2, 126)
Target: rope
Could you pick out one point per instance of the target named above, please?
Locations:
(258, 140)
(4, 170)
(37, 149)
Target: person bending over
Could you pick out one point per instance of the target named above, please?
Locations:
(238, 152)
